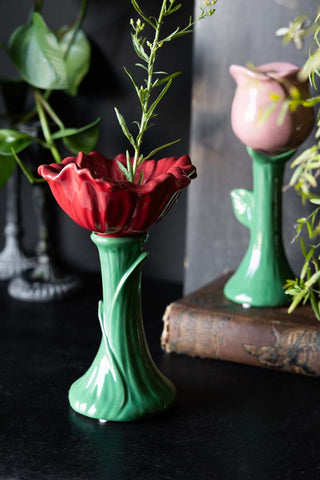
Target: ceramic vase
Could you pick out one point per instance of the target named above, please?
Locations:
(259, 100)
(123, 383)
(264, 269)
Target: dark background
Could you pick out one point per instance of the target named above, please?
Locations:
(107, 24)
(240, 31)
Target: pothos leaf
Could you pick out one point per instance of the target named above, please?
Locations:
(36, 53)
(82, 139)
(13, 139)
(75, 48)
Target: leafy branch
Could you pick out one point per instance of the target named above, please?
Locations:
(157, 83)
(306, 168)
(46, 61)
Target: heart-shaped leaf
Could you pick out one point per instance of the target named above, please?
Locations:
(13, 139)
(36, 53)
(76, 56)
(7, 166)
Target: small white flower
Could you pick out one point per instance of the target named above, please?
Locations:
(294, 32)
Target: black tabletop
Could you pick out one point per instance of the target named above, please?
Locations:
(230, 421)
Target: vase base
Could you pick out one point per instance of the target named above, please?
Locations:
(43, 284)
(143, 405)
(255, 295)
(13, 262)
(133, 417)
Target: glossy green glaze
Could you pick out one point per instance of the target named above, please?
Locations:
(264, 269)
(123, 382)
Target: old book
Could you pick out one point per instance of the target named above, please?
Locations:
(208, 325)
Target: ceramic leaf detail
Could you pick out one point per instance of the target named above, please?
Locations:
(243, 205)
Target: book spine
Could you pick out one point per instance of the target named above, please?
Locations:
(264, 343)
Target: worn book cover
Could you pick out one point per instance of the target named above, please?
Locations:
(208, 325)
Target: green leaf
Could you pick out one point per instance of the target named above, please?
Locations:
(124, 127)
(142, 14)
(82, 139)
(123, 169)
(134, 83)
(138, 48)
(306, 264)
(243, 205)
(7, 165)
(153, 152)
(76, 56)
(311, 65)
(296, 300)
(173, 9)
(166, 79)
(36, 53)
(13, 139)
(141, 66)
(160, 96)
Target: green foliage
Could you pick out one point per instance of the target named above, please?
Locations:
(36, 53)
(306, 170)
(46, 61)
(75, 49)
(80, 139)
(14, 139)
(156, 84)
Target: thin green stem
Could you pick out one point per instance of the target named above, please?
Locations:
(26, 171)
(50, 111)
(45, 127)
(77, 24)
(154, 79)
(144, 116)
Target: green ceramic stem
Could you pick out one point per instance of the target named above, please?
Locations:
(264, 269)
(123, 382)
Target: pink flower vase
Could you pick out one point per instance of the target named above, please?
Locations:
(123, 383)
(271, 135)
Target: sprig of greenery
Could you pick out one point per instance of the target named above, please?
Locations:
(307, 286)
(157, 83)
(305, 175)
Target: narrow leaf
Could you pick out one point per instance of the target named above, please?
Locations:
(166, 79)
(153, 152)
(138, 48)
(132, 80)
(124, 127)
(142, 14)
(160, 96)
(123, 169)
